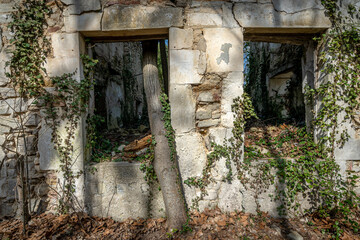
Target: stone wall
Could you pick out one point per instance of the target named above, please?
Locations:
(206, 74)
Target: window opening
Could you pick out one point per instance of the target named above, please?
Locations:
(273, 80)
(120, 123)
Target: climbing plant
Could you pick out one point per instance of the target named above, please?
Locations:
(64, 104)
(64, 108)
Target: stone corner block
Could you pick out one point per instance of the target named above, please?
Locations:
(180, 38)
(201, 19)
(184, 66)
(117, 17)
(84, 22)
(183, 106)
(224, 51)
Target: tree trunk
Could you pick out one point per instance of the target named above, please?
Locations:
(164, 65)
(166, 170)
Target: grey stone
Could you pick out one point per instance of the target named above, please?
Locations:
(78, 7)
(32, 120)
(201, 19)
(224, 50)
(252, 15)
(180, 38)
(2, 186)
(7, 210)
(1, 42)
(191, 157)
(84, 22)
(5, 107)
(294, 235)
(184, 67)
(7, 93)
(41, 189)
(183, 106)
(202, 114)
(10, 122)
(48, 156)
(216, 114)
(5, 18)
(208, 123)
(230, 196)
(292, 6)
(206, 97)
(228, 16)
(8, 7)
(117, 17)
(350, 151)
(124, 182)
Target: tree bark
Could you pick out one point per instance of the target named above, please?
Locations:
(164, 65)
(166, 170)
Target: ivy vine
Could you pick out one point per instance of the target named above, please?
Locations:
(64, 103)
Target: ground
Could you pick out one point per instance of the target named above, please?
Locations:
(211, 224)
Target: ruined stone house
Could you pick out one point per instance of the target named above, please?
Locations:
(206, 72)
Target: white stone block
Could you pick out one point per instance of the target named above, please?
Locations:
(180, 38)
(228, 16)
(208, 123)
(191, 154)
(59, 66)
(49, 158)
(78, 7)
(183, 106)
(224, 51)
(83, 22)
(66, 49)
(227, 120)
(231, 196)
(184, 67)
(199, 19)
(206, 97)
(121, 17)
(291, 6)
(232, 87)
(65, 44)
(252, 15)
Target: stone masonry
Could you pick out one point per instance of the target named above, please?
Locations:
(206, 73)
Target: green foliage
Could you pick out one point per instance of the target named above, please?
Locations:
(65, 104)
(30, 47)
(231, 150)
(147, 165)
(68, 103)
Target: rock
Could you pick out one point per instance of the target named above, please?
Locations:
(84, 22)
(293, 235)
(202, 114)
(180, 38)
(252, 15)
(183, 107)
(184, 66)
(208, 123)
(78, 7)
(206, 97)
(121, 147)
(224, 49)
(41, 189)
(199, 19)
(118, 17)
